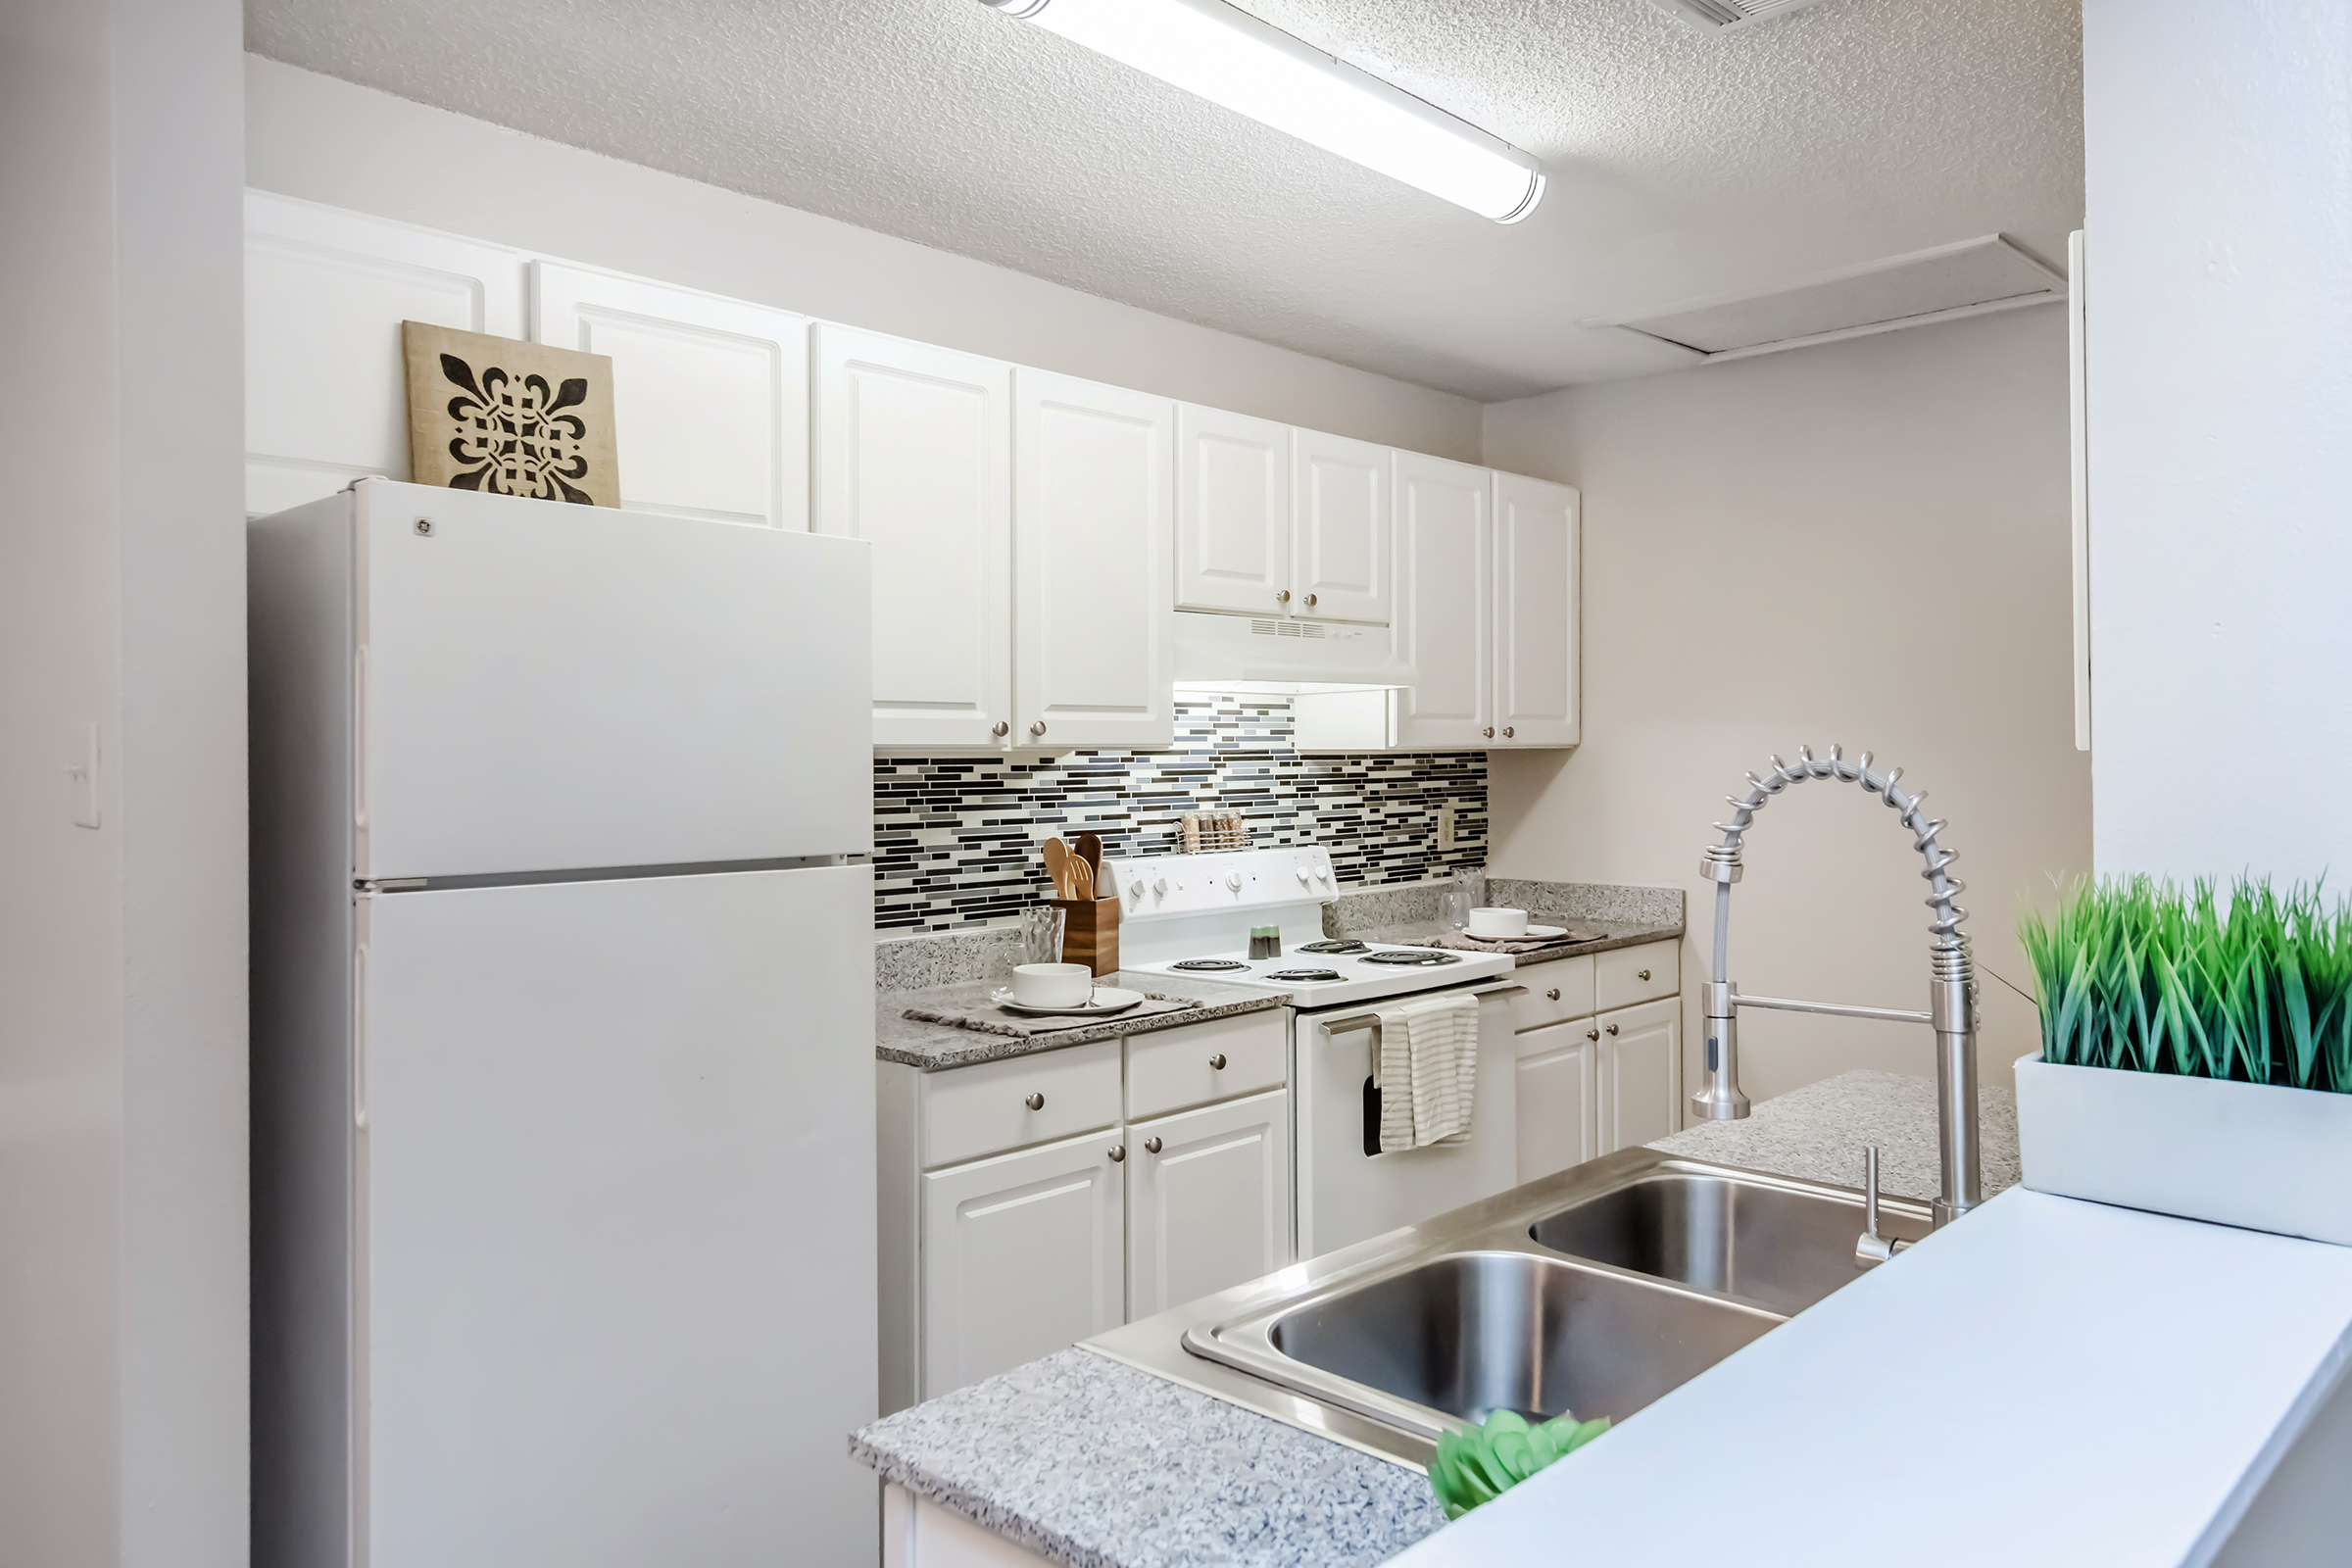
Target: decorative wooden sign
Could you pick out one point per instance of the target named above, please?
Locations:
(509, 419)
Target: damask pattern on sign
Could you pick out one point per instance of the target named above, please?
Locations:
(956, 838)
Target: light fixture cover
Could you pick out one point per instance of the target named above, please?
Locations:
(1229, 57)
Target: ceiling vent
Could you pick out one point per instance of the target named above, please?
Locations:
(1722, 16)
(1944, 284)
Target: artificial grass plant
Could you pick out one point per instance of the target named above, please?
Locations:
(1482, 1463)
(2136, 974)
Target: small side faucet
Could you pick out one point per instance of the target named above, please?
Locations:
(1952, 986)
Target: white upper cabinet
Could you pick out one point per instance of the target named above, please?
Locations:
(1535, 613)
(1445, 540)
(1093, 496)
(1341, 561)
(913, 452)
(709, 395)
(1232, 513)
(325, 292)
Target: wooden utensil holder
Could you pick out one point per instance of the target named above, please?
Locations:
(1090, 933)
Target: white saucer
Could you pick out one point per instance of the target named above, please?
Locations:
(1107, 1000)
(1547, 930)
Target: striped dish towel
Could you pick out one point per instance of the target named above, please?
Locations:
(1428, 1072)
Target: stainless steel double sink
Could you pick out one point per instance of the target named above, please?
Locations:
(1597, 1289)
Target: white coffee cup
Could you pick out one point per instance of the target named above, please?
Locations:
(1499, 923)
(1060, 985)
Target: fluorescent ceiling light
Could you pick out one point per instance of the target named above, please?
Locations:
(1231, 58)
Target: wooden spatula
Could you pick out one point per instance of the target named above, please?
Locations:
(1081, 881)
(1058, 866)
(1090, 849)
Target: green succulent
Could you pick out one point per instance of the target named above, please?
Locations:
(1485, 1462)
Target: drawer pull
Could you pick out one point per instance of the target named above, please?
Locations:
(1118, 1151)
(1643, 973)
(1553, 995)
(1035, 1102)
(1612, 1028)
(1150, 1145)
(1592, 1034)
(1216, 1061)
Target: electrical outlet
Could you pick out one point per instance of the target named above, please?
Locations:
(1445, 826)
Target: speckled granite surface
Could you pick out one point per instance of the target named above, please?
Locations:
(946, 958)
(1090, 1462)
(1589, 901)
(1819, 1131)
(1614, 934)
(898, 1038)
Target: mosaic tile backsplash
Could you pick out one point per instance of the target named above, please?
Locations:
(956, 838)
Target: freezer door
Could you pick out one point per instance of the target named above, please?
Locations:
(553, 687)
(617, 1202)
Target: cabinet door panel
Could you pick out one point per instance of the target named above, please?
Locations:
(1093, 501)
(1557, 1103)
(1233, 512)
(1211, 1204)
(1022, 1257)
(1342, 561)
(709, 395)
(1445, 530)
(1641, 1071)
(914, 453)
(325, 388)
(1534, 612)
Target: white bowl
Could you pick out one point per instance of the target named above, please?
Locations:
(1498, 922)
(1053, 985)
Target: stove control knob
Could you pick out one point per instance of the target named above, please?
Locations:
(1302, 873)
(1323, 873)
(1232, 880)
(1160, 885)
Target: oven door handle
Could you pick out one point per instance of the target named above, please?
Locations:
(1371, 1020)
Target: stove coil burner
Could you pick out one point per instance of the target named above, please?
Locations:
(1339, 945)
(1208, 965)
(1414, 959)
(1304, 974)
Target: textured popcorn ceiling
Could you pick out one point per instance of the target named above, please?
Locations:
(1682, 165)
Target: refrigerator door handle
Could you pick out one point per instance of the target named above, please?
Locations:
(359, 1037)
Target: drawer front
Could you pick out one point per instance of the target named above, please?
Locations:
(970, 1111)
(1168, 1069)
(1556, 990)
(1624, 976)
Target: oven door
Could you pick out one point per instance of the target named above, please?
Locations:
(1348, 1190)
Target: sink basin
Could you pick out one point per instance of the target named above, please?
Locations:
(1477, 1332)
(1782, 1247)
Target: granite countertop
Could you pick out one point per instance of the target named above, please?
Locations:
(1090, 1462)
(1094, 1463)
(1614, 934)
(931, 1046)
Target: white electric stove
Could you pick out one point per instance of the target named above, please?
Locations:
(1193, 915)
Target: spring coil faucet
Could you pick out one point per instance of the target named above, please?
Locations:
(1952, 990)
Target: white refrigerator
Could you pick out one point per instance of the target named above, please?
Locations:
(562, 1057)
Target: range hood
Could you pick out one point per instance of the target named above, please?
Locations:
(1283, 657)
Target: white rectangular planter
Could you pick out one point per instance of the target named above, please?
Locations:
(2250, 1154)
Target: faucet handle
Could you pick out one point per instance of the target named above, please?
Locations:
(1871, 1249)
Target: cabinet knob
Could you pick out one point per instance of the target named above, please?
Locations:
(1310, 600)
(1118, 1151)
(1035, 1102)
(1612, 1028)
(1643, 973)
(1488, 732)
(1282, 596)
(1038, 728)
(1002, 729)
(1592, 1034)
(1508, 732)
(1553, 995)
(1150, 1145)
(1218, 1062)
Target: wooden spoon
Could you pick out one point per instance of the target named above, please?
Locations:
(1058, 866)
(1090, 849)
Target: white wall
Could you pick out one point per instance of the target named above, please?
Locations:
(2218, 143)
(1864, 543)
(327, 140)
(123, 1285)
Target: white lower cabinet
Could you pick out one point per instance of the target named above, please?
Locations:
(917, 1532)
(1208, 1201)
(1037, 1200)
(1640, 1049)
(1591, 1085)
(1022, 1254)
